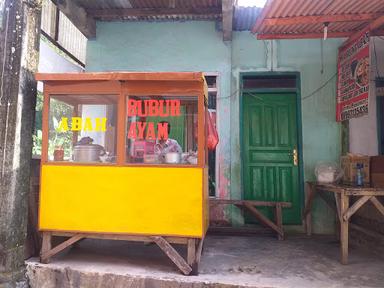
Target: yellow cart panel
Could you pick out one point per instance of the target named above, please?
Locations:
(129, 200)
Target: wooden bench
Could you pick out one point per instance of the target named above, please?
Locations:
(250, 206)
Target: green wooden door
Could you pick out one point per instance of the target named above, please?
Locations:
(269, 139)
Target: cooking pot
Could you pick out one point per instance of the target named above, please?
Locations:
(88, 153)
(172, 158)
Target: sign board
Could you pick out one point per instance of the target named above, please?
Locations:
(353, 79)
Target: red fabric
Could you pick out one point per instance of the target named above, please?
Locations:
(212, 136)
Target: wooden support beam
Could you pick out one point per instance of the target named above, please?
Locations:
(227, 8)
(48, 254)
(191, 252)
(264, 220)
(46, 245)
(356, 206)
(337, 201)
(279, 220)
(271, 36)
(344, 236)
(138, 238)
(199, 250)
(149, 12)
(339, 219)
(261, 17)
(310, 195)
(377, 204)
(192, 256)
(310, 192)
(320, 19)
(374, 25)
(238, 231)
(252, 202)
(78, 16)
(172, 254)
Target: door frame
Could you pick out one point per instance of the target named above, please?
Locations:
(295, 90)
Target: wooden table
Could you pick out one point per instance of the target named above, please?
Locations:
(341, 205)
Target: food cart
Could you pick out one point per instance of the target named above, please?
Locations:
(124, 157)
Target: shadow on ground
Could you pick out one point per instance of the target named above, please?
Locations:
(227, 261)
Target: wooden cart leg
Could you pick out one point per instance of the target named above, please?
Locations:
(191, 257)
(172, 254)
(279, 220)
(199, 251)
(48, 253)
(344, 205)
(46, 245)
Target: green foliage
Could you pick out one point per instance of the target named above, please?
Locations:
(56, 139)
(37, 140)
(37, 136)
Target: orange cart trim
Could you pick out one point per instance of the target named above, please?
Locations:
(123, 76)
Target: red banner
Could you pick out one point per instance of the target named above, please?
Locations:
(353, 79)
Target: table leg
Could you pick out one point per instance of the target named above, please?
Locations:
(309, 196)
(344, 205)
(338, 223)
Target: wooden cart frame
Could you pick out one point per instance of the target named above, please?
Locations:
(190, 266)
(123, 85)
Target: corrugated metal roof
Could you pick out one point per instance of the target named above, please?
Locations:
(244, 18)
(103, 4)
(213, 14)
(291, 8)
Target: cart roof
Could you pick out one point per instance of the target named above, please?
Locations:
(121, 76)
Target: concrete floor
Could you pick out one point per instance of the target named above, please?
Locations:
(242, 261)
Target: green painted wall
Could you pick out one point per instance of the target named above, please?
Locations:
(198, 46)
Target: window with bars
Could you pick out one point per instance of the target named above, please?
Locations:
(59, 29)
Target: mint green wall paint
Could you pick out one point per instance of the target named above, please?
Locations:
(197, 46)
(320, 131)
(169, 46)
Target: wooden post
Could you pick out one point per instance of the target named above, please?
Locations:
(192, 256)
(263, 219)
(279, 220)
(172, 254)
(47, 254)
(344, 205)
(309, 196)
(191, 251)
(45, 247)
(338, 215)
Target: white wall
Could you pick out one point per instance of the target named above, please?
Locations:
(363, 130)
(93, 112)
(50, 62)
